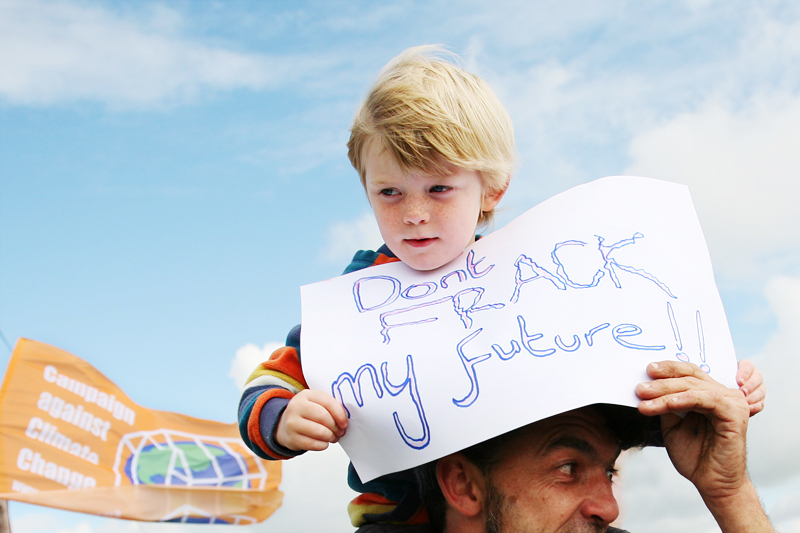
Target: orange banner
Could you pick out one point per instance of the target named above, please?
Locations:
(70, 438)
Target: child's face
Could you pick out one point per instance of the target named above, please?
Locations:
(426, 220)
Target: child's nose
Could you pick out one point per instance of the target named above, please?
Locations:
(416, 212)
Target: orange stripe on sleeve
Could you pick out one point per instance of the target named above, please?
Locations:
(253, 428)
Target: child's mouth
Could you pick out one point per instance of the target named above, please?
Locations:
(419, 243)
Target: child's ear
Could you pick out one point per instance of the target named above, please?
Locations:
(490, 200)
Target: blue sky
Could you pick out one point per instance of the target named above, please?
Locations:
(172, 172)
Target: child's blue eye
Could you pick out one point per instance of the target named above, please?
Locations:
(389, 192)
(440, 188)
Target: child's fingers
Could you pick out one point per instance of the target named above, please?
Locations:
(310, 435)
(328, 412)
(306, 423)
(751, 383)
(312, 445)
(340, 416)
(755, 396)
(317, 406)
(334, 409)
(744, 370)
(749, 378)
(756, 408)
(298, 433)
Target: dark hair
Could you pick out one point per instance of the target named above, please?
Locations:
(629, 428)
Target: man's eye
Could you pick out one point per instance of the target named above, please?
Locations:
(612, 473)
(568, 468)
(440, 188)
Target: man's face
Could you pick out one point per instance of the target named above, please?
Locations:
(426, 220)
(555, 477)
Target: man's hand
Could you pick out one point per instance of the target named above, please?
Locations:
(707, 445)
(312, 420)
(751, 383)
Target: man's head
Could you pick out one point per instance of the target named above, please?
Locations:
(427, 112)
(554, 475)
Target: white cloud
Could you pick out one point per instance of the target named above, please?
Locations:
(578, 97)
(774, 435)
(768, 48)
(743, 169)
(345, 238)
(656, 498)
(55, 52)
(784, 508)
(789, 526)
(315, 494)
(46, 520)
(247, 358)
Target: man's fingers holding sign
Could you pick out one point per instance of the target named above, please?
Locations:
(704, 425)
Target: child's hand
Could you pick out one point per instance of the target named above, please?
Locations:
(751, 383)
(311, 421)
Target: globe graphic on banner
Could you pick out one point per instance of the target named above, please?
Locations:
(174, 458)
(155, 466)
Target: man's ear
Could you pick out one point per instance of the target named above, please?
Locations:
(490, 200)
(462, 484)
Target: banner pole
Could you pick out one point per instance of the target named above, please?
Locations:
(5, 525)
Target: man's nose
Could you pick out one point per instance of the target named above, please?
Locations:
(416, 211)
(601, 505)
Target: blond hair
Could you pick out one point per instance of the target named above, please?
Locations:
(424, 108)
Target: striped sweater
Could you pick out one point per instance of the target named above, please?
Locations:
(390, 499)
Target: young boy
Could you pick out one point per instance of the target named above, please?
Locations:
(435, 151)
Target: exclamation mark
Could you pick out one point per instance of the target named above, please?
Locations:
(701, 341)
(677, 334)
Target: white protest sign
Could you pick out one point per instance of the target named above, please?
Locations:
(563, 307)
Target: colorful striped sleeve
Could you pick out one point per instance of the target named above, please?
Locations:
(269, 388)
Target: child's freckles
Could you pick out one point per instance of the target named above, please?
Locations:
(416, 212)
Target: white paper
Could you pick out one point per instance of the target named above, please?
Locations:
(563, 307)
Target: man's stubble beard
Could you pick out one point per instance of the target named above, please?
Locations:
(496, 505)
(498, 512)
